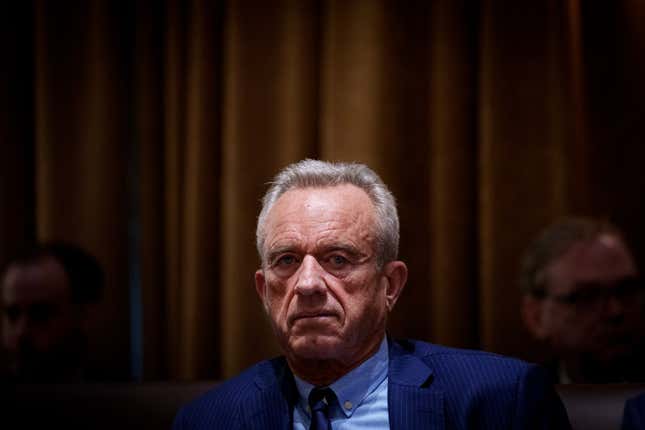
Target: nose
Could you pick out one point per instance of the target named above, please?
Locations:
(310, 277)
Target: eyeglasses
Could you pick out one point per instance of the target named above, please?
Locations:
(592, 295)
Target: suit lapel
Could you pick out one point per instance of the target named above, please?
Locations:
(412, 402)
(272, 403)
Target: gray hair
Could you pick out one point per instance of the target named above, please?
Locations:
(553, 242)
(316, 173)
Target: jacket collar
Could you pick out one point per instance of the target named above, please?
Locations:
(406, 365)
(271, 405)
(413, 403)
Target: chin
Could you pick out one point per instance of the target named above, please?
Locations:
(315, 347)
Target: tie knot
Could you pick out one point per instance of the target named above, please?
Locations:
(320, 398)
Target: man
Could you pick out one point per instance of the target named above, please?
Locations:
(328, 238)
(634, 414)
(46, 295)
(583, 297)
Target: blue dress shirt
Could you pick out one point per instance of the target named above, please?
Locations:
(362, 397)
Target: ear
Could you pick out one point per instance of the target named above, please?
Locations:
(260, 284)
(261, 289)
(396, 275)
(532, 314)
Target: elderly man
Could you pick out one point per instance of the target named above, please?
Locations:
(328, 238)
(584, 298)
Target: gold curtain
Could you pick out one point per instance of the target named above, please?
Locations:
(156, 126)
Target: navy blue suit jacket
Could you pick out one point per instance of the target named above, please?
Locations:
(634, 416)
(429, 387)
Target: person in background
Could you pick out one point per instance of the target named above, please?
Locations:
(584, 298)
(46, 298)
(327, 238)
(634, 414)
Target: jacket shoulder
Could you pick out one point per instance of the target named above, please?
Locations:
(484, 387)
(470, 375)
(465, 362)
(220, 407)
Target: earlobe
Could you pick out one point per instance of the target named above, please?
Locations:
(396, 275)
(532, 316)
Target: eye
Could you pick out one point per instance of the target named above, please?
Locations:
(337, 261)
(284, 264)
(286, 260)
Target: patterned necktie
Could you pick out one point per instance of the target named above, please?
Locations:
(319, 401)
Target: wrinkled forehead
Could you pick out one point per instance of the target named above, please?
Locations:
(43, 280)
(345, 204)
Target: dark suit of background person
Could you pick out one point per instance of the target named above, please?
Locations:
(584, 298)
(328, 239)
(634, 416)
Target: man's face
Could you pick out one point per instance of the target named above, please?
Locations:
(321, 286)
(601, 313)
(38, 314)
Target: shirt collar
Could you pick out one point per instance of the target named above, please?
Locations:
(352, 388)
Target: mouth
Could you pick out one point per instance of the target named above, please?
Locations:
(312, 317)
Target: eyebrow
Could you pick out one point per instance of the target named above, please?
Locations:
(351, 250)
(325, 248)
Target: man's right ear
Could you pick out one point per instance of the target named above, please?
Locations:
(260, 283)
(532, 315)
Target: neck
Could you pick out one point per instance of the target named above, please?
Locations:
(324, 372)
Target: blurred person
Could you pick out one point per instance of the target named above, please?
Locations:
(584, 298)
(46, 296)
(634, 413)
(327, 237)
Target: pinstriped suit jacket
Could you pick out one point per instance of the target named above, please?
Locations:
(429, 387)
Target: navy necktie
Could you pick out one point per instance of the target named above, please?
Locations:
(319, 401)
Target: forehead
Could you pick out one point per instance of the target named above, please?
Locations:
(603, 259)
(316, 210)
(38, 281)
